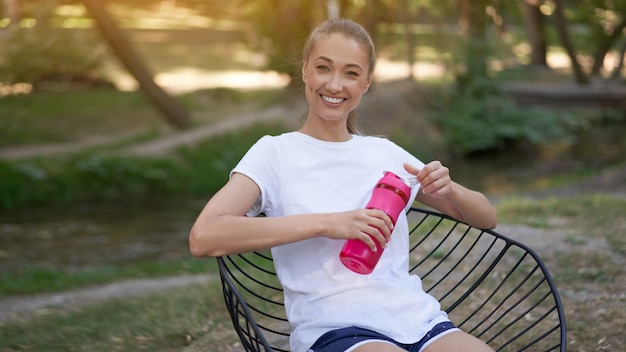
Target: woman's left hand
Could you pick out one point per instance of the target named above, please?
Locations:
(434, 179)
(451, 198)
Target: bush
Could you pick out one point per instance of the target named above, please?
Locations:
(42, 54)
(81, 178)
(202, 169)
(479, 116)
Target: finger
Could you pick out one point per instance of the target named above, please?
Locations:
(427, 182)
(437, 177)
(381, 221)
(376, 238)
(369, 241)
(442, 187)
(413, 170)
(435, 186)
(424, 174)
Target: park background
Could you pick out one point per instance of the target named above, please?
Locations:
(119, 119)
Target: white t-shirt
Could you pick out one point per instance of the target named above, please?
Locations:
(298, 174)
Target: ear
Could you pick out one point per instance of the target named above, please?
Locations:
(367, 87)
(304, 72)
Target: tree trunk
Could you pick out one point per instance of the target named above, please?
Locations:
(11, 10)
(604, 47)
(620, 63)
(372, 18)
(561, 25)
(405, 15)
(464, 15)
(173, 111)
(477, 48)
(535, 27)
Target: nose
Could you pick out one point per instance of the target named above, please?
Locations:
(334, 83)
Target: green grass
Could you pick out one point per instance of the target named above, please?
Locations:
(589, 270)
(54, 117)
(588, 216)
(27, 280)
(159, 322)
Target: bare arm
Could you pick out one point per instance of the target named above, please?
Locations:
(441, 193)
(222, 227)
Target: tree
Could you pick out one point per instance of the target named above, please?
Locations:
(535, 27)
(279, 28)
(171, 108)
(620, 62)
(405, 15)
(564, 36)
(607, 41)
(11, 10)
(474, 21)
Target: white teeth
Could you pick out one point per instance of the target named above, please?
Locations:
(332, 100)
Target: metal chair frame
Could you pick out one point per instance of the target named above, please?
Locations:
(492, 287)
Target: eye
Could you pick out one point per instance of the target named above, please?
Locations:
(322, 68)
(352, 74)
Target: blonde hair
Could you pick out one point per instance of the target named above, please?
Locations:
(351, 30)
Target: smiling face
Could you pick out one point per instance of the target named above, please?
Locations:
(336, 75)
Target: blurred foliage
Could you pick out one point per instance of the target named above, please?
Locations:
(70, 179)
(277, 28)
(42, 54)
(478, 116)
(595, 19)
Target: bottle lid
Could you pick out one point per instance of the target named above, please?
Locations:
(398, 184)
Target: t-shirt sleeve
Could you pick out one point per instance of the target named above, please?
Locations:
(260, 165)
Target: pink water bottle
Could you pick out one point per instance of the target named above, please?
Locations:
(390, 195)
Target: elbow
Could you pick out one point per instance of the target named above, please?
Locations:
(195, 248)
(492, 225)
(491, 220)
(487, 220)
(199, 246)
(483, 224)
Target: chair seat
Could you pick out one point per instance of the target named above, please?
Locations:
(492, 287)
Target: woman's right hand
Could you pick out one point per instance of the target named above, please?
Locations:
(222, 227)
(367, 225)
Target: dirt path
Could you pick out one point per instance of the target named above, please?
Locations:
(158, 146)
(22, 308)
(192, 136)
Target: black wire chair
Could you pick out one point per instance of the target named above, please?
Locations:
(492, 287)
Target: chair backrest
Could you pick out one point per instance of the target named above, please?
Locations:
(492, 287)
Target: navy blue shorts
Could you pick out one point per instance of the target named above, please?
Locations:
(342, 339)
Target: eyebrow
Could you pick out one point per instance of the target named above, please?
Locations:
(324, 58)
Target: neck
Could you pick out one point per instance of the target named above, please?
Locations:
(330, 132)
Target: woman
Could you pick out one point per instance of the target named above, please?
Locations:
(312, 184)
